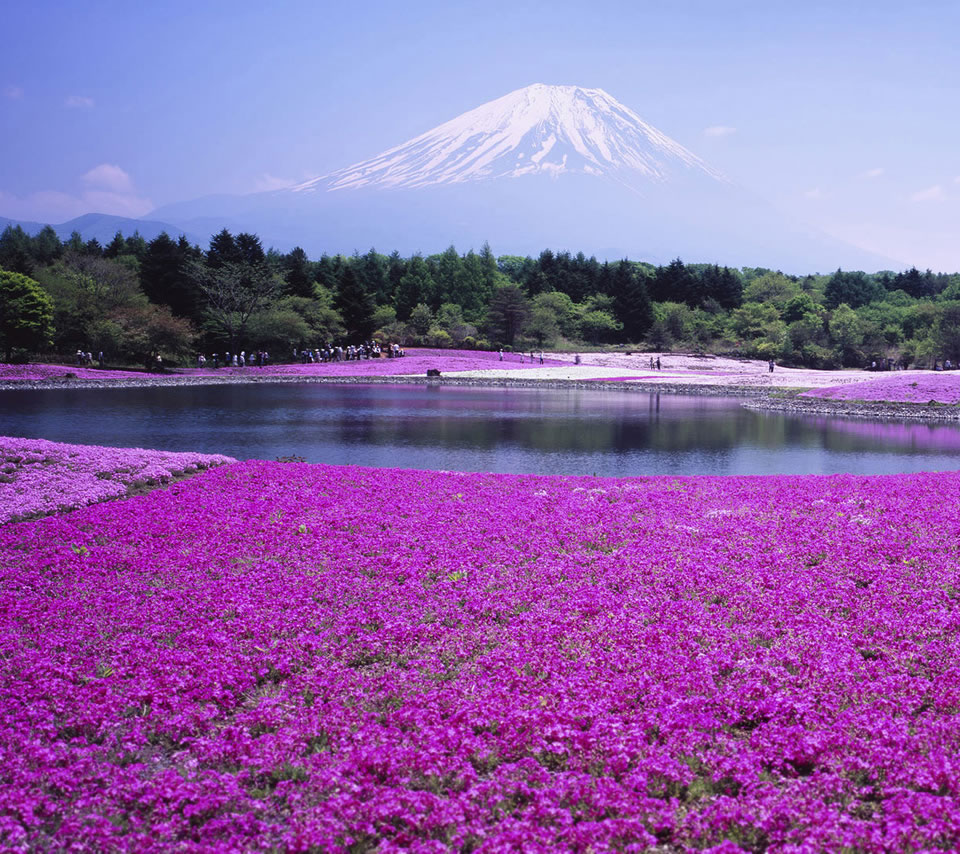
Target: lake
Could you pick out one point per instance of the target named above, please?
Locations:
(544, 431)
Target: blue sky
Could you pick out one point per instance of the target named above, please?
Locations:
(843, 113)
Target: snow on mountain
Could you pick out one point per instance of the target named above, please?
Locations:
(558, 166)
(546, 130)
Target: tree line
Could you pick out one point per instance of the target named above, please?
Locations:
(135, 299)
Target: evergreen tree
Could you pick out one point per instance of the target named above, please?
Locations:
(46, 247)
(853, 288)
(373, 271)
(164, 277)
(328, 272)
(15, 251)
(297, 273)
(223, 250)
(135, 245)
(673, 283)
(116, 247)
(474, 291)
(355, 304)
(631, 301)
(728, 289)
(416, 286)
(250, 248)
(397, 267)
(74, 243)
(918, 285)
(507, 313)
(488, 271)
(450, 279)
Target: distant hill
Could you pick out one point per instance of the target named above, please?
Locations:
(103, 227)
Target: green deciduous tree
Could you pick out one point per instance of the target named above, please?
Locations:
(846, 334)
(421, 319)
(26, 314)
(233, 292)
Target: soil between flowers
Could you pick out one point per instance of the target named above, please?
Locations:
(296, 656)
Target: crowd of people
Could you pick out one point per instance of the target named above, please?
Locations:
(330, 353)
(234, 360)
(350, 353)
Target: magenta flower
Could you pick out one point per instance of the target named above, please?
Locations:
(296, 657)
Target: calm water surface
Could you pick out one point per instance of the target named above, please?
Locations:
(546, 431)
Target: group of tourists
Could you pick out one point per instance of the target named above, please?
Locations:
(259, 359)
(235, 360)
(87, 358)
(350, 353)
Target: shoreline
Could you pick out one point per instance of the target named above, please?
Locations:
(757, 399)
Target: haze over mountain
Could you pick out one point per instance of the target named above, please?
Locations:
(544, 166)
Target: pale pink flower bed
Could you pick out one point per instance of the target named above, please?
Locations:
(417, 361)
(39, 477)
(901, 387)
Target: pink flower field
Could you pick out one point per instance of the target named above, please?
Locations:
(39, 373)
(39, 477)
(281, 656)
(416, 361)
(900, 387)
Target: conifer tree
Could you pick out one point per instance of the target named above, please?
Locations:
(355, 304)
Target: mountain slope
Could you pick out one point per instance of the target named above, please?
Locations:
(558, 166)
(536, 130)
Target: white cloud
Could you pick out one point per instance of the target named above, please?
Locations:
(107, 176)
(105, 189)
(872, 173)
(719, 130)
(266, 182)
(813, 193)
(79, 102)
(930, 194)
(12, 92)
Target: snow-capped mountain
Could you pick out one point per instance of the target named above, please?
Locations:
(539, 129)
(562, 167)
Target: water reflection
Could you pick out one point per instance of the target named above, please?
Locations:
(485, 429)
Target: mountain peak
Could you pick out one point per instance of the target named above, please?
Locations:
(539, 129)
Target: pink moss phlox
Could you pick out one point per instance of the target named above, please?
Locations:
(39, 477)
(300, 657)
(417, 362)
(39, 373)
(900, 387)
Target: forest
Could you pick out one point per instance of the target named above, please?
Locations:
(135, 299)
